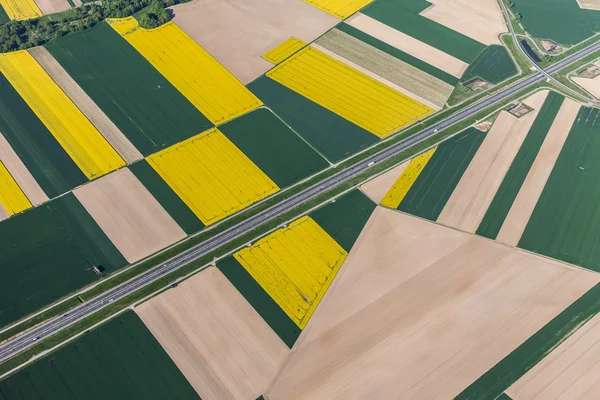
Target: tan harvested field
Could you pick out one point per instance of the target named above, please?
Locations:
(377, 77)
(107, 128)
(591, 85)
(128, 214)
(408, 44)
(441, 306)
(219, 342)
(476, 189)
(3, 214)
(570, 372)
(425, 88)
(376, 188)
(589, 4)
(480, 20)
(514, 225)
(52, 6)
(20, 174)
(238, 32)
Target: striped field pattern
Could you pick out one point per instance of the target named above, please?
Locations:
(339, 8)
(191, 69)
(12, 197)
(212, 176)
(295, 266)
(283, 50)
(75, 133)
(21, 9)
(347, 92)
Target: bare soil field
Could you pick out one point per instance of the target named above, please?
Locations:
(128, 214)
(472, 196)
(589, 4)
(480, 20)
(408, 44)
(376, 188)
(520, 212)
(105, 126)
(591, 85)
(569, 372)
(442, 307)
(52, 6)
(3, 213)
(20, 173)
(219, 342)
(238, 32)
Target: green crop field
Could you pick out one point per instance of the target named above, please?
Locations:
(565, 223)
(50, 165)
(333, 136)
(273, 147)
(516, 174)
(494, 65)
(168, 199)
(47, 253)
(118, 360)
(430, 192)
(399, 54)
(562, 21)
(135, 96)
(3, 15)
(403, 15)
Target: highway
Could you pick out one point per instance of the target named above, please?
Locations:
(51, 327)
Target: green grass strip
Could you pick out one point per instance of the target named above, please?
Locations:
(514, 178)
(510, 369)
(429, 194)
(494, 65)
(266, 307)
(168, 199)
(399, 54)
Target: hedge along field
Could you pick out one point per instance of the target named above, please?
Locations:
(565, 223)
(403, 15)
(513, 180)
(342, 220)
(48, 252)
(430, 192)
(149, 111)
(118, 360)
(493, 64)
(333, 136)
(273, 147)
(562, 21)
(48, 162)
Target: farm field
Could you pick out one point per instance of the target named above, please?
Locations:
(119, 360)
(47, 253)
(21, 9)
(145, 107)
(494, 65)
(340, 8)
(12, 198)
(186, 65)
(80, 139)
(283, 50)
(401, 281)
(379, 186)
(52, 6)
(239, 32)
(212, 176)
(128, 214)
(218, 341)
(591, 85)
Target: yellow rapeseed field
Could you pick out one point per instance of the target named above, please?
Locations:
(295, 266)
(347, 92)
(12, 197)
(396, 194)
(75, 133)
(212, 176)
(21, 9)
(191, 69)
(339, 8)
(284, 50)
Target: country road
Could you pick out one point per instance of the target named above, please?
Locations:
(51, 327)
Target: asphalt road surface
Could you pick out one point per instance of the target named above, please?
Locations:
(15, 346)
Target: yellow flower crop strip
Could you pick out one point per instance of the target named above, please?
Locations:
(339, 8)
(284, 50)
(12, 197)
(347, 92)
(295, 266)
(398, 191)
(212, 176)
(192, 70)
(20, 10)
(75, 133)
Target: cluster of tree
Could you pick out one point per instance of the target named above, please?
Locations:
(18, 35)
